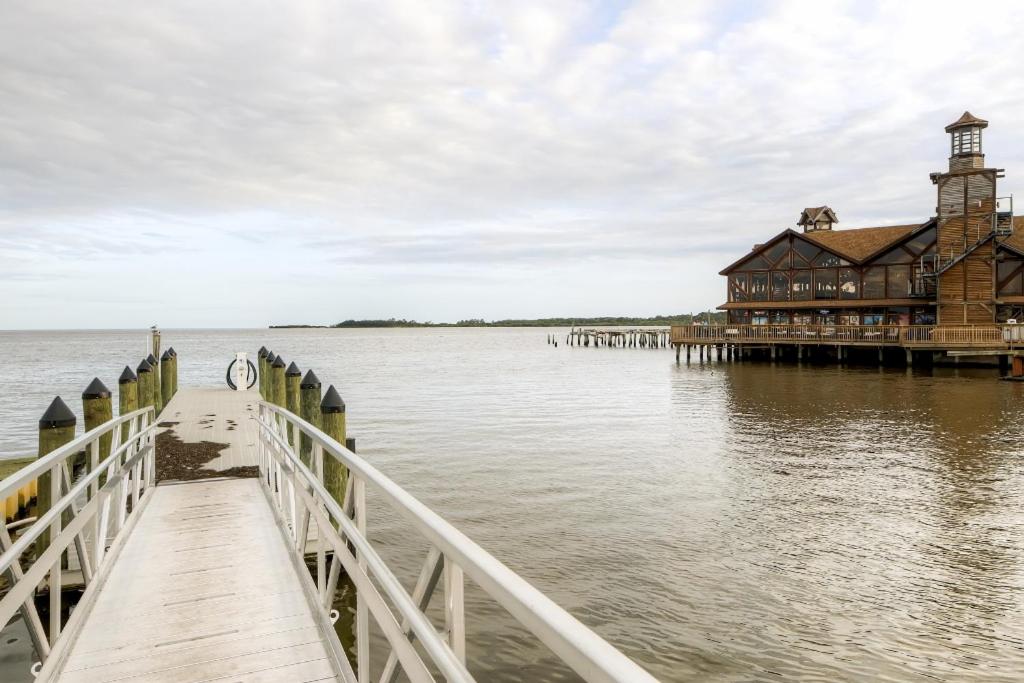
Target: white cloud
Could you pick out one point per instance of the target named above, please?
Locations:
(548, 157)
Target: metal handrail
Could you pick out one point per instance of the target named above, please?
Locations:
(129, 474)
(299, 492)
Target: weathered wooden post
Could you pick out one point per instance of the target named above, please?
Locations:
(332, 417)
(154, 366)
(166, 377)
(56, 428)
(269, 362)
(98, 409)
(145, 385)
(127, 397)
(261, 369)
(292, 379)
(174, 371)
(309, 410)
(277, 376)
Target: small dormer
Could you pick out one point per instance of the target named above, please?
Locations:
(965, 142)
(817, 218)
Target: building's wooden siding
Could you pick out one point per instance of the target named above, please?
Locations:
(966, 204)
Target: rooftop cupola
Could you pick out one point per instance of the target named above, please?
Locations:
(965, 142)
(817, 218)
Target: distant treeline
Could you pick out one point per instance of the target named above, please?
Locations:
(681, 319)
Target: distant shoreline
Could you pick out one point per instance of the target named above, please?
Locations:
(660, 320)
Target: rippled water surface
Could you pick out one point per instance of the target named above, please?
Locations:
(717, 522)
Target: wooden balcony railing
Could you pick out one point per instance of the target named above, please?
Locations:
(974, 336)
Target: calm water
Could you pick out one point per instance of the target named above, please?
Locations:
(717, 522)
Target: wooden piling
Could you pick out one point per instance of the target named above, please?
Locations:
(292, 378)
(277, 377)
(309, 410)
(166, 377)
(56, 428)
(145, 385)
(174, 371)
(154, 366)
(271, 357)
(332, 417)
(127, 397)
(98, 409)
(261, 370)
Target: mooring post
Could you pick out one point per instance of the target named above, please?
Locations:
(332, 417)
(166, 378)
(309, 410)
(97, 408)
(174, 371)
(277, 377)
(678, 348)
(910, 358)
(127, 397)
(271, 357)
(145, 385)
(292, 377)
(56, 428)
(154, 366)
(261, 370)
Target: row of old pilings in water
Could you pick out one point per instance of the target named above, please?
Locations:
(642, 338)
(153, 383)
(284, 385)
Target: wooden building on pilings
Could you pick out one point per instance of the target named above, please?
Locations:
(948, 287)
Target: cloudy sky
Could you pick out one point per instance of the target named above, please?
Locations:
(242, 163)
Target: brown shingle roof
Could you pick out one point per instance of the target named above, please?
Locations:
(859, 243)
(809, 215)
(1016, 240)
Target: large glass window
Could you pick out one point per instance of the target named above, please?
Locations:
(874, 282)
(757, 262)
(780, 317)
(849, 283)
(1010, 278)
(738, 287)
(776, 253)
(803, 319)
(759, 286)
(805, 250)
(826, 260)
(759, 318)
(918, 244)
(825, 283)
(899, 282)
(802, 285)
(780, 286)
(897, 255)
(741, 317)
(872, 319)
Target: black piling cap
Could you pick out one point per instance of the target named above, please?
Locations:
(144, 366)
(278, 362)
(310, 381)
(57, 415)
(174, 354)
(262, 353)
(127, 377)
(293, 371)
(166, 357)
(271, 357)
(151, 360)
(96, 389)
(332, 402)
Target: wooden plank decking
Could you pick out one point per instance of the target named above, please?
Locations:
(203, 590)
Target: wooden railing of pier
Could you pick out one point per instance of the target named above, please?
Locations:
(908, 336)
(639, 337)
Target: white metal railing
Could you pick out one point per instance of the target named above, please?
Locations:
(87, 512)
(300, 495)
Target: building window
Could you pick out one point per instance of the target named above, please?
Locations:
(923, 316)
(825, 260)
(759, 318)
(759, 286)
(780, 317)
(804, 252)
(967, 141)
(741, 317)
(778, 254)
(849, 319)
(780, 286)
(872, 319)
(849, 283)
(874, 282)
(802, 285)
(803, 319)
(899, 282)
(825, 283)
(738, 287)
(1010, 278)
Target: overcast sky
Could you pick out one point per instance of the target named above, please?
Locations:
(243, 163)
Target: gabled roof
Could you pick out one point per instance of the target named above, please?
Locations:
(859, 244)
(856, 245)
(1015, 241)
(967, 119)
(811, 215)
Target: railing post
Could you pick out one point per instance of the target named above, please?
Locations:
(309, 410)
(454, 608)
(56, 428)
